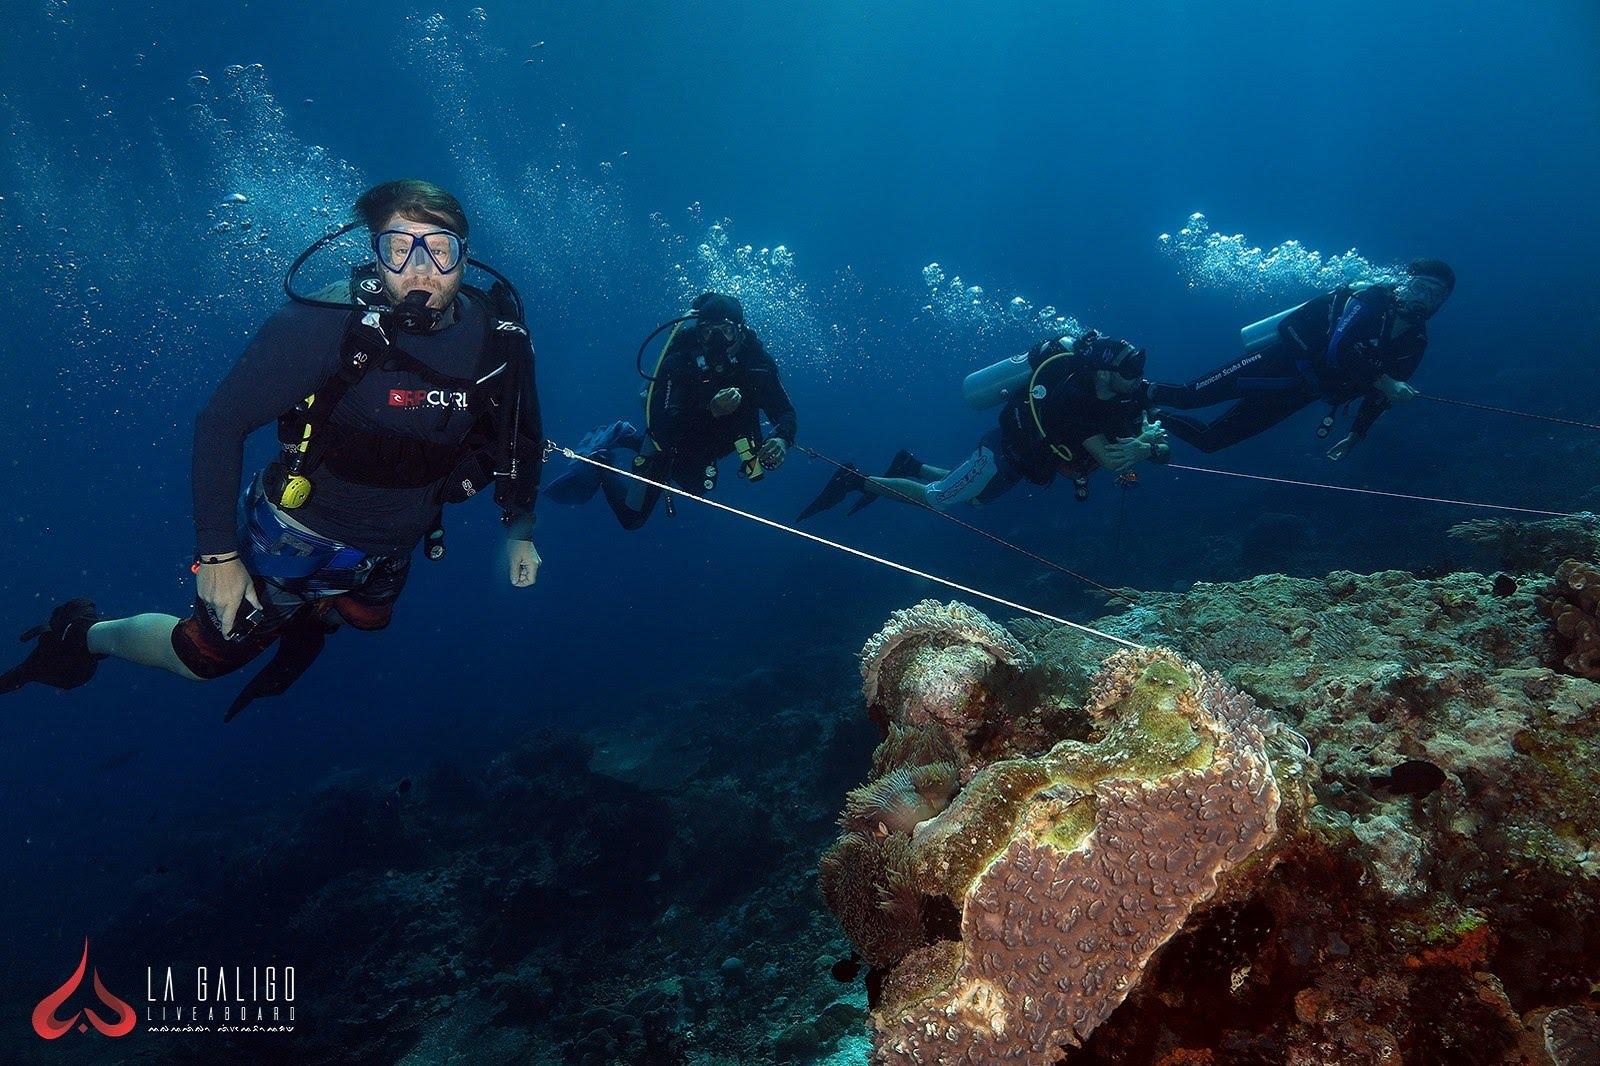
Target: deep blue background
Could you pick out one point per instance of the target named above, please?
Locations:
(1032, 147)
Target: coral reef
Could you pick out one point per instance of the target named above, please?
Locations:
(1573, 603)
(1531, 546)
(1434, 899)
(1016, 920)
(646, 892)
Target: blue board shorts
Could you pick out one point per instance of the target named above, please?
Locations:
(338, 585)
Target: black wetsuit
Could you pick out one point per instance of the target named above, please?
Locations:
(376, 487)
(1070, 413)
(691, 440)
(1333, 349)
(295, 354)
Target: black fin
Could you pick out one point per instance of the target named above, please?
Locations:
(61, 658)
(843, 482)
(298, 648)
(903, 465)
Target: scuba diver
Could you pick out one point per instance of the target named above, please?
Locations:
(712, 383)
(1071, 405)
(1361, 341)
(395, 392)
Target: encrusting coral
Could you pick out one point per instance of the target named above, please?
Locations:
(1013, 922)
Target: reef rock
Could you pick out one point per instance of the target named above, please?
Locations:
(1411, 770)
(1011, 923)
(1573, 603)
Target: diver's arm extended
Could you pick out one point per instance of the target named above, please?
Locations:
(293, 354)
(773, 400)
(517, 496)
(1123, 454)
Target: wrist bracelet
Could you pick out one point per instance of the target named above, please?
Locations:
(201, 560)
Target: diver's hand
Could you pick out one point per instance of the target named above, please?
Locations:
(1396, 391)
(1154, 434)
(223, 587)
(1120, 456)
(1123, 455)
(726, 402)
(1342, 449)
(525, 563)
(773, 453)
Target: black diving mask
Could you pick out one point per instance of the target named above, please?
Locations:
(1121, 359)
(720, 337)
(397, 249)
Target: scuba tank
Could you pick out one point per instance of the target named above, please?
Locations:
(1259, 336)
(997, 383)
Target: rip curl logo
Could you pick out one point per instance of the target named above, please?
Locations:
(438, 398)
(50, 1027)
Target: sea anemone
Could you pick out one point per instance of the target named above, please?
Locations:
(897, 801)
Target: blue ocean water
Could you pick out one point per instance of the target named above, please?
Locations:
(899, 192)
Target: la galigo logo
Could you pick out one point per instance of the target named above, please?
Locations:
(50, 1027)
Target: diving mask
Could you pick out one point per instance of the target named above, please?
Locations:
(397, 249)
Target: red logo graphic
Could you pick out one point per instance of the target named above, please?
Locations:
(48, 1026)
(407, 397)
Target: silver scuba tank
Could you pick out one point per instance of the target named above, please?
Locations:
(1259, 336)
(997, 383)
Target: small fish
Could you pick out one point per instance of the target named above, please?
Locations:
(1504, 585)
(1414, 777)
(847, 969)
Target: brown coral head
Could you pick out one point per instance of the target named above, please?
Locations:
(897, 801)
(1573, 604)
(1150, 673)
(935, 625)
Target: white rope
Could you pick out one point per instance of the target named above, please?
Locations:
(1370, 492)
(857, 552)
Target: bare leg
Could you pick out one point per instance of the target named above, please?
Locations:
(897, 488)
(145, 639)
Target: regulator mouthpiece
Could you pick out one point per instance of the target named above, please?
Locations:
(414, 312)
